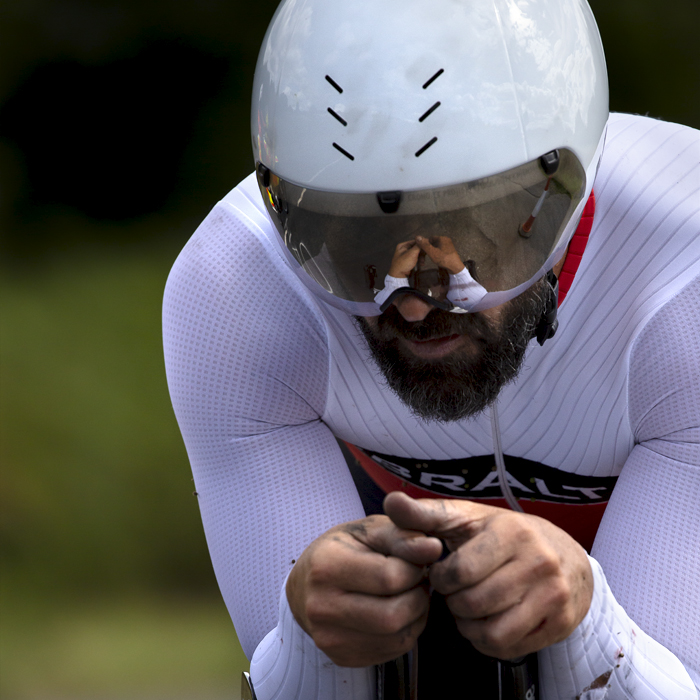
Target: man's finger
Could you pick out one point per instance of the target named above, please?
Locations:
(517, 631)
(371, 614)
(454, 521)
(372, 573)
(348, 647)
(478, 589)
(471, 563)
(443, 255)
(428, 248)
(379, 534)
(405, 259)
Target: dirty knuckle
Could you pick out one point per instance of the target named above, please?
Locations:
(451, 575)
(475, 606)
(492, 639)
(461, 604)
(464, 570)
(409, 633)
(317, 611)
(390, 580)
(320, 571)
(559, 593)
(563, 593)
(566, 621)
(524, 535)
(546, 564)
(392, 621)
(330, 643)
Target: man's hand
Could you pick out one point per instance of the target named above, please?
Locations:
(405, 259)
(360, 590)
(514, 582)
(439, 249)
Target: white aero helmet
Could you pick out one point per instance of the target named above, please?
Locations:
(375, 121)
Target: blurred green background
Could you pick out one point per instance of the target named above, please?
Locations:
(121, 123)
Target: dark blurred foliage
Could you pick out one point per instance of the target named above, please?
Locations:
(118, 109)
(652, 56)
(109, 139)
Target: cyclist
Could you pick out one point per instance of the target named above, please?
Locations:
(436, 179)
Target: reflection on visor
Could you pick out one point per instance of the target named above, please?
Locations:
(496, 232)
(457, 288)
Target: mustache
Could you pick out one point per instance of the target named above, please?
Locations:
(437, 324)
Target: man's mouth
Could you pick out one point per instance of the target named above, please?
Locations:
(434, 348)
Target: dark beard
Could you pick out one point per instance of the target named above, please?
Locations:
(465, 383)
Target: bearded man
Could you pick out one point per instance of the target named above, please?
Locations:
(437, 186)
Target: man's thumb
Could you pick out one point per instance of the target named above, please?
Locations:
(453, 521)
(425, 515)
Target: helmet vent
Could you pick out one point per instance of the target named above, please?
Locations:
(343, 151)
(429, 112)
(338, 117)
(335, 115)
(422, 150)
(337, 87)
(430, 80)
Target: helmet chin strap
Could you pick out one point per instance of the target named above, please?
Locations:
(444, 305)
(548, 323)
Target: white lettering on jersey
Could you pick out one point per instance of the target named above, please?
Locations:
(588, 491)
(492, 480)
(546, 492)
(454, 483)
(397, 469)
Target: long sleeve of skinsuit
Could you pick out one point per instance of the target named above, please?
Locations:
(263, 379)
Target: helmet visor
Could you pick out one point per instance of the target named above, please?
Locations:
(504, 228)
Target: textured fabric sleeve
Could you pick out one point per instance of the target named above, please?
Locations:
(247, 364)
(641, 638)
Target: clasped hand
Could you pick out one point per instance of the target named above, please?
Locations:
(440, 249)
(514, 582)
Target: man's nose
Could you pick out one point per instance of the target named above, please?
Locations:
(412, 308)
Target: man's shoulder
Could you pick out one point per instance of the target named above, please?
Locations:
(647, 186)
(634, 126)
(233, 260)
(643, 249)
(235, 236)
(639, 147)
(245, 199)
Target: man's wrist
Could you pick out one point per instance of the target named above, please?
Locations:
(391, 284)
(287, 664)
(608, 650)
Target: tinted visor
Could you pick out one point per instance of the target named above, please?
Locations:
(503, 227)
